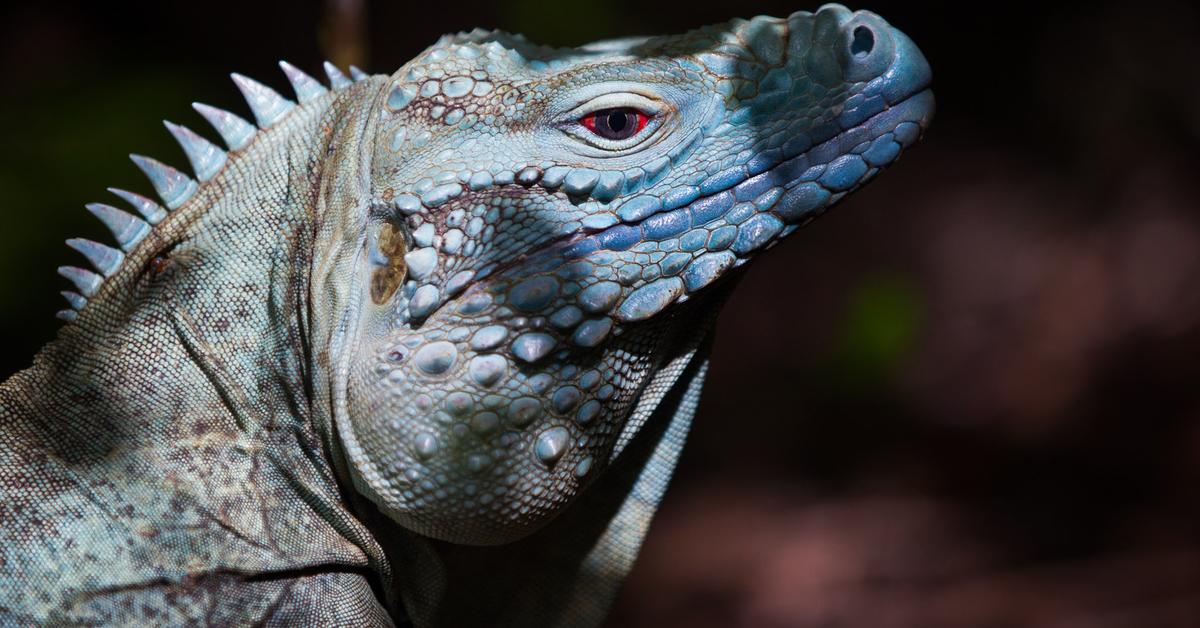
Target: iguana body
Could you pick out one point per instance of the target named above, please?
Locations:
(425, 347)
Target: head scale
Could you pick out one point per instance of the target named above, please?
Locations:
(545, 222)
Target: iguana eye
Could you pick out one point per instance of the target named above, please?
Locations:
(618, 123)
(614, 122)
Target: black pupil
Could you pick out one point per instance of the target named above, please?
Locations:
(616, 124)
(616, 121)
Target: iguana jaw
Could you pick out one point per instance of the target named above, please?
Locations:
(804, 195)
(488, 392)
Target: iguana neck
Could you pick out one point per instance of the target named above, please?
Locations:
(201, 343)
(215, 285)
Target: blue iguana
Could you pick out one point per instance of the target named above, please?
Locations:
(424, 348)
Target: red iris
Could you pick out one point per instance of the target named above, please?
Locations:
(618, 123)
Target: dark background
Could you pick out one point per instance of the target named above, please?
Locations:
(965, 398)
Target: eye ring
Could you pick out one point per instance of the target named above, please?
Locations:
(646, 119)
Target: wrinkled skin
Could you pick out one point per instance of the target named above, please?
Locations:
(425, 346)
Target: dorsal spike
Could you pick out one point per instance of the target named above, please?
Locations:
(125, 227)
(85, 280)
(206, 157)
(66, 315)
(234, 131)
(306, 87)
(173, 186)
(268, 106)
(76, 300)
(357, 74)
(151, 211)
(104, 258)
(337, 80)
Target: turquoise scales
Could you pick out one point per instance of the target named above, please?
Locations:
(424, 347)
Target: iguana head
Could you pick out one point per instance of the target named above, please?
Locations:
(545, 222)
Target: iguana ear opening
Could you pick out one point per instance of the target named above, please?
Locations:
(391, 248)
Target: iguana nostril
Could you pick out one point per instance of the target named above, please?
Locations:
(863, 42)
(865, 47)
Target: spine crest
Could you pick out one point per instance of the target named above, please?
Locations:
(174, 187)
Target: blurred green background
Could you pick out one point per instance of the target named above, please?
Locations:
(965, 398)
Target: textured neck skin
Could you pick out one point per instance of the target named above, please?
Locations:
(430, 323)
(172, 424)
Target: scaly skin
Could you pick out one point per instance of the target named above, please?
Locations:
(426, 345)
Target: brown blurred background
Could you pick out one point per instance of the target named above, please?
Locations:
(968, 397)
